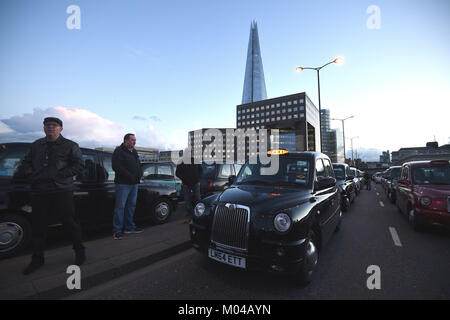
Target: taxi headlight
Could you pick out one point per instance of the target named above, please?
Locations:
(282, 222)
(199, 209)
(425, 201)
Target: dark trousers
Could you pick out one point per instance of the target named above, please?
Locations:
(191, 197)
(58, 205)
(368, 185)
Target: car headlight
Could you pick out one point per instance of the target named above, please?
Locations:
(199, 209)
(425, 201)
(282, 222)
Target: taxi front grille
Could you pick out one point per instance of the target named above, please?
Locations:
(231, 226)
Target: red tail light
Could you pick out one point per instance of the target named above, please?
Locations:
(211, 185)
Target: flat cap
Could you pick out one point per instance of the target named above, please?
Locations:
(53, 119)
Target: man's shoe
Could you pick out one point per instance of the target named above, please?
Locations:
(80, 256)
(118, 236)
(33, 266)
(136, 230)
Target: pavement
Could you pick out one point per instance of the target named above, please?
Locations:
(107, 259)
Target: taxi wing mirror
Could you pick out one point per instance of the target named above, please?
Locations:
(231, 179)
(325, 183)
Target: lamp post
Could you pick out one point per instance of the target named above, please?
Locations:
(351, 139)
(338, 60)
(343, 130)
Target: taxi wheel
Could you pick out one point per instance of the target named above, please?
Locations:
(413, 221)
(15, 234)
(161, 212)
(310, 260)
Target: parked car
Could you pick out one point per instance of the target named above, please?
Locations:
(377, 177)
(215, 177)
(423, 193)
(94, 197)
(272, 222)
(356, 179)
(391, 182)
(384, 177)
(162, 173)
(346, 184)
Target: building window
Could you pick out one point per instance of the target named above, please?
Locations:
(272, 106)
(273, 112)
(239, 118)
(295, 101)
(302, 108)
(278, 105)
(278, 111)
(278, 118)
(290, 110)
(239, 111)
(283, 104)
(284, 118)
(302, 115)
(295, 116)
(284, 110)
(267, 113)
(262, 114)
(295, 109)
(289, 117)
(289, 103)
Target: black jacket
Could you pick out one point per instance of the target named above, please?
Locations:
(190, 174)
(127, 166)
(51, 166)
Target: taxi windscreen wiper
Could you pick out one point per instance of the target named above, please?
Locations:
(255, 181)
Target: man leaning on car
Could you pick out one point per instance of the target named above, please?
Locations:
(50, 165)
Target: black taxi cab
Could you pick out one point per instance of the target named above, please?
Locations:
(277, 222)
(94, 197)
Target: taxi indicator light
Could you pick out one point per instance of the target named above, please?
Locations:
(277, 152)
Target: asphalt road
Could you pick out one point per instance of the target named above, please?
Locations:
(412, 266)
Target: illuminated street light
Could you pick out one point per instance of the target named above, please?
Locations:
(339, 61)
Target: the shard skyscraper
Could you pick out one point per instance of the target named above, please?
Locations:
(254, 83)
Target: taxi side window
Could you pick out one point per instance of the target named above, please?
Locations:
(328, 168)
(225, 172)
(320, 170)
(107, 163)
(89, 172)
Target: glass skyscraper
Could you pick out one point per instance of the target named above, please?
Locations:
(254, 83)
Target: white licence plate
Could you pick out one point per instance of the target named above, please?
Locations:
(227, 258)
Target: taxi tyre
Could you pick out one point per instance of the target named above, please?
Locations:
(346, 205)
(413, 221)
(310, 262)
(338, 227)
(15, 230)
(161, 211)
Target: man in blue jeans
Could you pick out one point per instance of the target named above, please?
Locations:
(126, 164)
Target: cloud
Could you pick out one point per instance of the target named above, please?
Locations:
(153, 118)
(82, 126)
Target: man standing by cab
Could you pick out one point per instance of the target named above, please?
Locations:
(51, 164)
(126, 164)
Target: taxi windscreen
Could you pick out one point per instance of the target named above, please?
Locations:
(291, 171)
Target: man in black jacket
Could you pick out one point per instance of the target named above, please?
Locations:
(126, 164)
(190, 174)
(50, 165)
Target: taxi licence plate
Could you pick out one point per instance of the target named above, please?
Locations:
(226, 258)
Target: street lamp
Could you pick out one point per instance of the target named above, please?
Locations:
(339, 61)
(351, 139)
(343, 130)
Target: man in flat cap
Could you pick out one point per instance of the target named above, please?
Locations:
(50, 165)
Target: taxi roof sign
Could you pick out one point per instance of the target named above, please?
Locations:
(277, 152)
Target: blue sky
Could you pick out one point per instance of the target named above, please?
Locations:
(162, 68)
